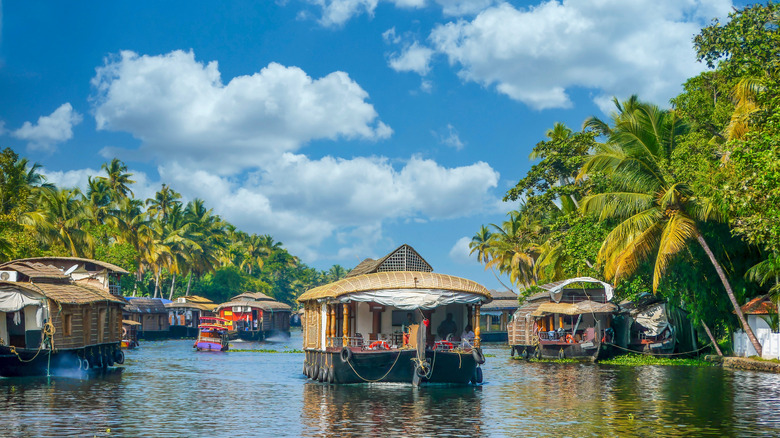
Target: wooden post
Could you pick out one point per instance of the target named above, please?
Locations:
(345, 323)
(333, 310)
(328, 328)
(476, 326)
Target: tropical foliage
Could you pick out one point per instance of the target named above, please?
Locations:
(679, 201)
(172, 248)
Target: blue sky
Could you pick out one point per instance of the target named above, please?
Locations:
(343, 128)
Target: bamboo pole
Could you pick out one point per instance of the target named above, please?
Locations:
(346, 325)
(476, 326)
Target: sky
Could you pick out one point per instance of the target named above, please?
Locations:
(342, 128)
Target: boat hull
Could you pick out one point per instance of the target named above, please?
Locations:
(30, 362)
(393, 366)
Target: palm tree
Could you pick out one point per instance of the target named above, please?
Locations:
(255, 252)
(118, 179)
(164, 200)
(60, 219)
(133, 228)
(659, 214)
(480, 243)
(515, 248)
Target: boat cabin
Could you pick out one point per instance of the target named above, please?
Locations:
(256, 316)
(495, 316)
(394, 304)
(185, 312)
(650, 325)
(44, 310)
(567, 319)
(151, 314)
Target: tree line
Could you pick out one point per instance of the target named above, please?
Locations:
(682, 202)
(172, 248)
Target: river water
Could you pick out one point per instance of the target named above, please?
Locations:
(166, 389)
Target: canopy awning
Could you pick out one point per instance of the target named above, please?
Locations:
(410, 299)
(13, 299)
(556, 292)
(574, 308)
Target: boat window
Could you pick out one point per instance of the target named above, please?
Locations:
(67, 324)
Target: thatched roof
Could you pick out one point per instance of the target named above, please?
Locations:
(394, 280)
(63, 293)
(146, 305)
(403, 258)
(36, 271)
(574, 308)
(257, 296)
(268, 306)
(192, 302)
(61, 261)
(502, 300)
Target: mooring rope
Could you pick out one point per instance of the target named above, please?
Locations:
(379, 379)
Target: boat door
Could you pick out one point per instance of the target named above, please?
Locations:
(14, 321)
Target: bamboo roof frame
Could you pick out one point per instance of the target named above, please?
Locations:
(393, 280)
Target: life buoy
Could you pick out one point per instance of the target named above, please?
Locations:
(478, 372)
(124, 332)
(119, 357)
(569, 339)
(346, 354)
(442, 345)
(478, 356)
(377, 344)
(84, 365)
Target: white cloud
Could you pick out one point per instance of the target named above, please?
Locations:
(537, 55)
(459, 253)
(49, 130)
(181, 111)
(303, 202)
(337, 12)
(464, 7)
(143, 188)
(414, 58)
(450, 138)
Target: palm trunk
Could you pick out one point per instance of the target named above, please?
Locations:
(730, 293)
(712, 338)
(138, 278)
(189, 282)
(157, 281)
(173, 283)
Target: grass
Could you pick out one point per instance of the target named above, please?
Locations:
(633, 360)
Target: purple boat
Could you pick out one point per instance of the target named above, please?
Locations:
(212, 334)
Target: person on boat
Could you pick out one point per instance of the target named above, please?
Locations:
(409, 321)
(447, 327)
(468, 335)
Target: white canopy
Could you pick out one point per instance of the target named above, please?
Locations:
(410, 299)
(557, 292)
(12, 300)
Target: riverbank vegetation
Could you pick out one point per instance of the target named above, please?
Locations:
(681, 201)
(172, 248)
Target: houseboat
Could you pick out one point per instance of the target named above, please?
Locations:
(495, 316)
(152, 316)
(254, 316)
(567, 319)
(212, 335)
(51, 321)
(184, 315)
(394, 320)
(129, 334)
(650, 325)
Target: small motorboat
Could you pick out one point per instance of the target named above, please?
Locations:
(212, 334)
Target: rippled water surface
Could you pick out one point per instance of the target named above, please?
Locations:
(166, 389)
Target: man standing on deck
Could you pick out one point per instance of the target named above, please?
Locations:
(447, 327)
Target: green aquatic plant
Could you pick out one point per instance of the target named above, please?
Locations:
(641, 359)
(264, 350)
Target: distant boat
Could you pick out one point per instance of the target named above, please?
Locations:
(569, 319)
(129, 334)
(393, 320)
(212, 334)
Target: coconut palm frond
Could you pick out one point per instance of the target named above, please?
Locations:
(616, 204)
(677, 231)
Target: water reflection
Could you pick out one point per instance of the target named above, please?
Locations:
(391, 409)
(169, 390)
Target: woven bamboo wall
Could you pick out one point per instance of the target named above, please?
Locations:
(85, 332)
